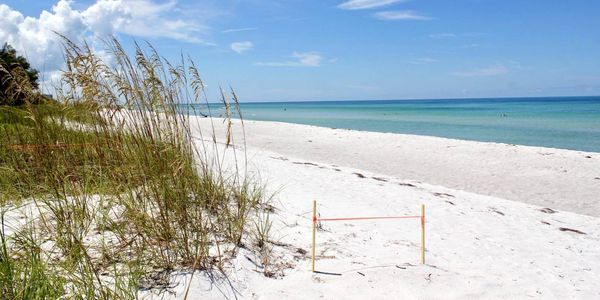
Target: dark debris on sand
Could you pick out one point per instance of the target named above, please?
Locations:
(548, 210)
(571, 230)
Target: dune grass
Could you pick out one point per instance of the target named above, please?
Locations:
(107, 191)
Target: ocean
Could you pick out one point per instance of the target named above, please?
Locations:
(556, 122)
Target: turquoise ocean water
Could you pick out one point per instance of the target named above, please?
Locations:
(563, 122)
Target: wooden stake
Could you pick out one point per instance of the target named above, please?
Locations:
(314, 231)
(422, 233)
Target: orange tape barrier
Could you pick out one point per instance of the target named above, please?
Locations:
(365, 218)
(315, 219)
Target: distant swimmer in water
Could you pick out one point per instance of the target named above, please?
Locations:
(284, 109)
(504, 115)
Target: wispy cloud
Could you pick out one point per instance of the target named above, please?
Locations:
(448, 35)
(483, 72)
(444, 35)
(393, 15)
(240, 47)
(239, 29)
(423, 60)
(301, 59)
(366, 4)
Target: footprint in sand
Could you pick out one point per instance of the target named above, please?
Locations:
(318, 279)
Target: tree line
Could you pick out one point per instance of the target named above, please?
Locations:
(18, 80)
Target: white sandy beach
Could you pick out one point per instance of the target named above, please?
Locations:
(487, 233)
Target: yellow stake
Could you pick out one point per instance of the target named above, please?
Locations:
(422, 233)
(314, 230)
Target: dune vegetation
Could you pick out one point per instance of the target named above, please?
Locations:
(105, 192)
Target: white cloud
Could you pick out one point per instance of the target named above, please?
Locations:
(36, 38)
(399, 15)
(240, 47)
(143, 18)
(239, 29)
(301, 59)
(309, 59)
(483, 72)
(366, 4)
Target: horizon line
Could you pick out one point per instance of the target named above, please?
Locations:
(404, 99)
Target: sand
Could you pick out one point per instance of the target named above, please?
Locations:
(561, 179)
(502, 221)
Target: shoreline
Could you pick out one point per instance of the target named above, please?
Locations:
(408, 135)
(560, 179)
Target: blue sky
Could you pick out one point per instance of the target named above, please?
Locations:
(340, 50)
